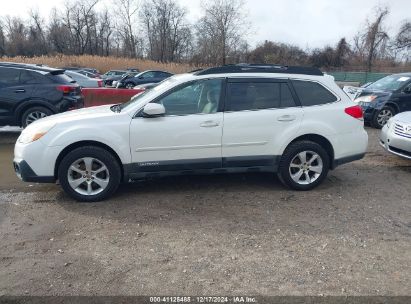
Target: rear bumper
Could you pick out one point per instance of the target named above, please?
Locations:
(347, 159)
(26, 173)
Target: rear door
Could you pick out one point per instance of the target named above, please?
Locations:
(13, 91)
(257, 113)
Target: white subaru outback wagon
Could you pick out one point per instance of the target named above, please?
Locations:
(293, 121)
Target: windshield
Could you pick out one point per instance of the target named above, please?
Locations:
(162, 86)
(389, 83)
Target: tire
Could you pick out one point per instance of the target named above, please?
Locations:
(130, 85)
(290, 164)
(88, 189)
(381, 117)
(34, 113)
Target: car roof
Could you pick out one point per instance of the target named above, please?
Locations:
(33, 67)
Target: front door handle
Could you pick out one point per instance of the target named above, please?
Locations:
(209, 124)
(286, 118)
(20, 91)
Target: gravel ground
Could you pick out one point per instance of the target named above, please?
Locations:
(212, 235)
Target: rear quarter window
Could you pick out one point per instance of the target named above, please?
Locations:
(61, 78)
(312, 93)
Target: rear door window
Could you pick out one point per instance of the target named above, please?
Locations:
(9, 77)
(312, 93)
(258, 95)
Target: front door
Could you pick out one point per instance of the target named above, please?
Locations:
(188, 137)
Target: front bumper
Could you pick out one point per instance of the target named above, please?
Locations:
(395, 142)
(34, 162)
(26, 173)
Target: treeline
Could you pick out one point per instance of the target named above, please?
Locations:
(159, 30)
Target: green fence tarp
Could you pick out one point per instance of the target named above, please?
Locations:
(361, 77)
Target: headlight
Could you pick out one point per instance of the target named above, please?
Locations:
(367, 98)
(35, 132)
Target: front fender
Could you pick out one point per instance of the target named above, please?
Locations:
(114, 135)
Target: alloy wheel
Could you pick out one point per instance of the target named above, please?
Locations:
(383, 116)
(306, 167)
(88, 176)
(33, 116)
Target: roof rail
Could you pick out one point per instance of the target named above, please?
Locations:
(260, 68)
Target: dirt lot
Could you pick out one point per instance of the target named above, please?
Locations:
(212, 235)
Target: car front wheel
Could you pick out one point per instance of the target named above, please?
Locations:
(33, 114)
(89, 174)
(129, 85)
(382, 116)
(304, 165)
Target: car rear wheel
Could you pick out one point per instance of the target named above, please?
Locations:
(304, 165)
(89, 174)
(130, 85)
(33, 114)
(382, 116)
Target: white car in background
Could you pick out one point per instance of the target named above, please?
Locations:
(84, 81)
(395, 136)
(292, 121)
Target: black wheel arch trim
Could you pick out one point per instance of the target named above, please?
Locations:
(22, 107)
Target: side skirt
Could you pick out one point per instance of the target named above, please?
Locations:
(155, 169)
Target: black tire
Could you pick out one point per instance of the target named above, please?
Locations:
(376, 120)
(31, 113)
(100, 155)
(290, 155)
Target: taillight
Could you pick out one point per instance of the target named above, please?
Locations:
(355, 111)
(100, 83)
(66, 89)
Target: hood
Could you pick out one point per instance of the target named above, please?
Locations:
(77, 115)
(403, 117)
(378, 93)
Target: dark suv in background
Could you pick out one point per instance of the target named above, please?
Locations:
(30, 92)
(384, 98)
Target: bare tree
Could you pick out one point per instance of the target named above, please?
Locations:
(402, 41)
(221, 29)
(372, 42)
(2, 40)
(166, 28)
(127, 13)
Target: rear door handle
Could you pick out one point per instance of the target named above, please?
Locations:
(20, 91)
(209, 124)
(286, 118)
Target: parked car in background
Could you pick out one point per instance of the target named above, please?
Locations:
(292, 121)
(84, 81)
(93, 73)
(134, 70)
(113, 73)
(123, 78)
(30, 92)
(88, 74)
(384, 98)
(142, 78)
(395, 136)
(146, 86)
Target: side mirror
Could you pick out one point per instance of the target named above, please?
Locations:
(407, 90)
(154, 110)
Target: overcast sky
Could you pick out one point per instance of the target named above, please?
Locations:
(306, 23)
